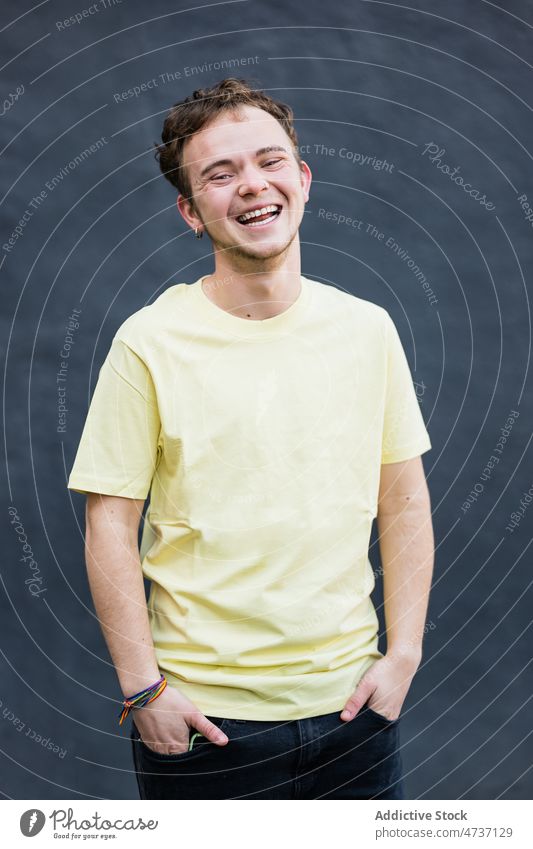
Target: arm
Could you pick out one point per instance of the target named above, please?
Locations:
(116, 583)
(407, 554)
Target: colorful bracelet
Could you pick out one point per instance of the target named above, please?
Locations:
(143, 698)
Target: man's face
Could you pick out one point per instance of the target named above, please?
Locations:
(247, 179)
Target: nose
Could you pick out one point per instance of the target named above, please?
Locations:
(252, 182)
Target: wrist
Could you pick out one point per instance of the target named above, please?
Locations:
(133, 683)
(405, 653)
(142, 698)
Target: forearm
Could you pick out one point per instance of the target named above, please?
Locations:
(116, 583)
(407, 554)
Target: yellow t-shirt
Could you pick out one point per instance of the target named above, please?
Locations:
(260, 444)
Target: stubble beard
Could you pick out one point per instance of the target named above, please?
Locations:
(247, 253)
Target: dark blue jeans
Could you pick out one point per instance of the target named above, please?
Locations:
(320, 757)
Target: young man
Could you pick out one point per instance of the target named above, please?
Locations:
(271, 418)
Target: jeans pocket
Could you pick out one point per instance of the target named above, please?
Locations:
(200, 744)
(384, 720)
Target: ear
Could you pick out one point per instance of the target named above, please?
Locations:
(306, 178)
(187, 211)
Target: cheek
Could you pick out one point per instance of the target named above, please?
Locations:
(217, 205)
(289, 185)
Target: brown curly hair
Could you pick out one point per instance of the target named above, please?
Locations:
(188, 116)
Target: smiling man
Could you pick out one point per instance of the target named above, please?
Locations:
(270, 417)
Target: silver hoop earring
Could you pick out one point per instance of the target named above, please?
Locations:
(198, 233)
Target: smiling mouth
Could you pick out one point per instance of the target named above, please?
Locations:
(260, 217)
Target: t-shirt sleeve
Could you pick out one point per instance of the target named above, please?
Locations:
(118, 450)
(404, 432)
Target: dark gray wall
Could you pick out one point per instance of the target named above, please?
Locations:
(378, 80)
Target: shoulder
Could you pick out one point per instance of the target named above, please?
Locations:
(142, 329)
(369, 314)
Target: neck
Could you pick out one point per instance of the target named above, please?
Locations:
(254, 295)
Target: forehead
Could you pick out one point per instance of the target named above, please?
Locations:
(229, 135)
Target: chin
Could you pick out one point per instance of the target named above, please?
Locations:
(267, 252)
(260, 250)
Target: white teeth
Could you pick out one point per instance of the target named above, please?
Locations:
(256, 212)
(261, 223)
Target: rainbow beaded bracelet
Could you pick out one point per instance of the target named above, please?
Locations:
(143, 698)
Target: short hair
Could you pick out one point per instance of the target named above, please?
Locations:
(188, 116)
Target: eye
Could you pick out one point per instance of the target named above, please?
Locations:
(221, 177)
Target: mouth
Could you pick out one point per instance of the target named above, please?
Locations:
(260, 217)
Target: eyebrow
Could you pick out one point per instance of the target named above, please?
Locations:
(260, 152)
